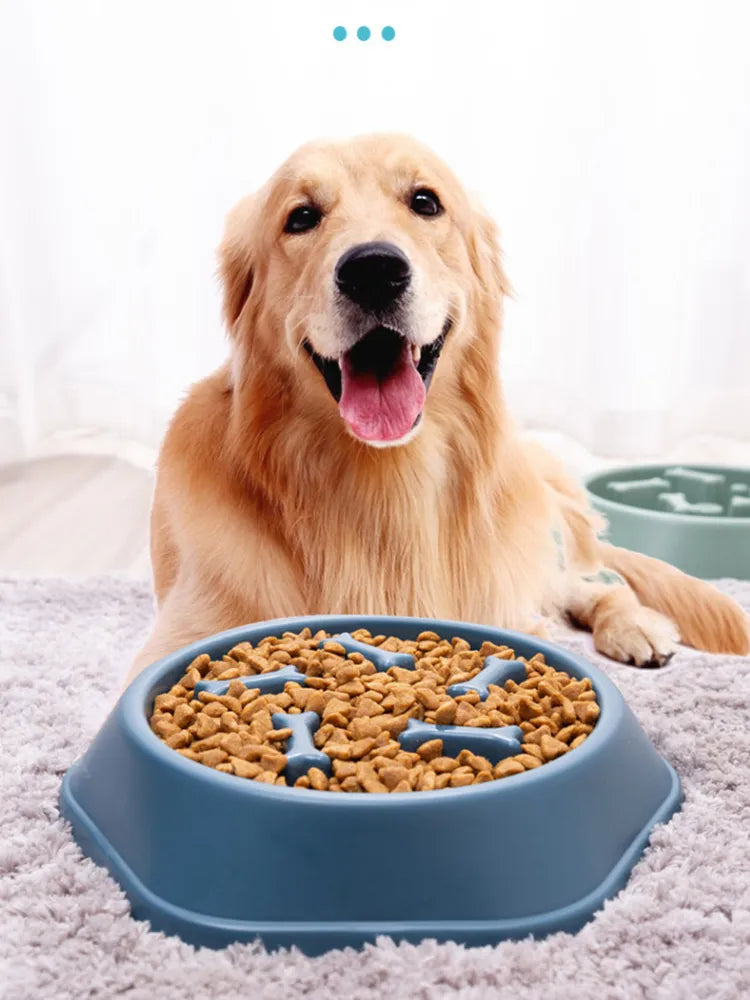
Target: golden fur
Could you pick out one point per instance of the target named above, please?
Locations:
(266, 505)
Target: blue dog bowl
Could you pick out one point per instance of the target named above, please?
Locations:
(215, 858)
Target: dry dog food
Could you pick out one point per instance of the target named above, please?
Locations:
(363, 710)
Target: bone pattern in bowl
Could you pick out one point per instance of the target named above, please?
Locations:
(216, 859)
(495, 744)
(680, 490)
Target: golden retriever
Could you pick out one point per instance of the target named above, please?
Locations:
(355, 455)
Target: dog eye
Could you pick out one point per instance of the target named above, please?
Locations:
(426, 202)
(302, 219)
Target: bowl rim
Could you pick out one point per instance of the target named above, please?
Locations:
(604, 503)
(135, 705)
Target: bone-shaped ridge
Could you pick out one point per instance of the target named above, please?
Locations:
(700, 485)
(653, 485)
(271, 683)
(495, 671)
(301, 752)
(678, 503)
(381, 659)
(494, 744)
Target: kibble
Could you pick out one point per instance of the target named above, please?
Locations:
(363, 711)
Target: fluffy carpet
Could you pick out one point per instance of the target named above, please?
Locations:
(680, 929)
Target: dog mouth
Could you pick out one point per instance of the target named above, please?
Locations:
(381, 382)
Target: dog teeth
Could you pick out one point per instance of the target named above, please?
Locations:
(416, 353)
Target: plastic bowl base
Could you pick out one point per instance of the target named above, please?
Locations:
(316, 937)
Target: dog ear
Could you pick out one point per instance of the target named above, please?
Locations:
(486, 256)
(235, 260)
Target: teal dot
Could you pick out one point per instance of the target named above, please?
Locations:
(388, 33)
(339, 33)
(363, 33)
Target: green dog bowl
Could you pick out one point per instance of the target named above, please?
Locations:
(695, 517)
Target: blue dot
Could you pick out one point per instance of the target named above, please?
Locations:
(339, 33)
(363, 33)
(388, 33)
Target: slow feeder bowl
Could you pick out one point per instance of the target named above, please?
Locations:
(696, 517)
(215, 858)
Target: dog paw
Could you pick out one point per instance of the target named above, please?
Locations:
(645, 639)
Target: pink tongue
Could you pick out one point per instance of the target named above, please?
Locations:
(382, 410)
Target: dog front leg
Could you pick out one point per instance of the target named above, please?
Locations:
(184, 617)
(622, 627)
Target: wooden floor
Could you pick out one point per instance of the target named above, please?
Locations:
(74, 516)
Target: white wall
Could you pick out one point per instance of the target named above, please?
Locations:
(610, 140)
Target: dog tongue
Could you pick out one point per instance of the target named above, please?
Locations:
(385, 408)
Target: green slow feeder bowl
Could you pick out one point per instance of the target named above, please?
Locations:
(695, 517)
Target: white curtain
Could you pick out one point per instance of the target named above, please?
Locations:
(610, 140)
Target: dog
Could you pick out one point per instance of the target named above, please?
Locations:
(355, 454)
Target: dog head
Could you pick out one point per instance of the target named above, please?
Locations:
(362, 269)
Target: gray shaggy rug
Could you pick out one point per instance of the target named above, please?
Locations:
(680, 929)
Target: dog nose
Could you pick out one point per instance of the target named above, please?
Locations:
(373, 275)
